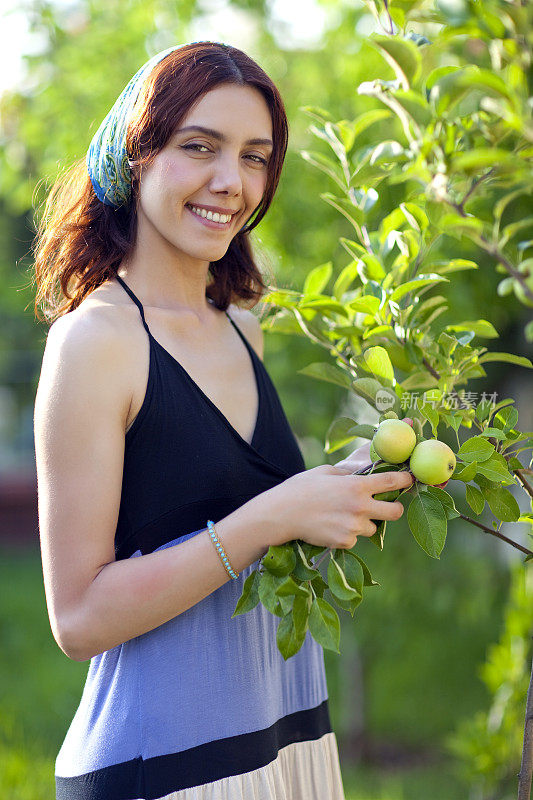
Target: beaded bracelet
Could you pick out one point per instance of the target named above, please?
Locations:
(220, 549)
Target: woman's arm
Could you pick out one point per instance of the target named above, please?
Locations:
(94, 602)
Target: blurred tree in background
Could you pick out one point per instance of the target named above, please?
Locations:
(411, 673)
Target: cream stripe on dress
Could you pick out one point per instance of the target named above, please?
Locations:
(302, 771)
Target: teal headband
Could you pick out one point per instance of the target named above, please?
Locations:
(107, 159)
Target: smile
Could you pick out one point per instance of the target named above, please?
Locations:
(213, 217)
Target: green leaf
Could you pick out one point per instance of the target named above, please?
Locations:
(374, 268)
(493, 433)
(338, 585)
(300, 612)
(367, 304)
(510, 358)
(502, 504)
(347, 276)
(303, 569)
(369, 387)
(431, 414)
(453, 265)
(475, 449)
(481, 327)
(340, 433)
(378, 537)
(387, 152)
(353, 569)
(438, 73)
(268, 584)
(446, 499)
(415, 105)
(324, 624)
(319, 585)
(367, 577)
(363, 431)
(478, 78)
(475, 499)
(495, 469)
(378, 362)
(506, 418)
(324, 371)
(427, 521)
(317, 279)
(291, 633)
(347, 605)
(250, 595)
(457, 225)
(324, 304)
(465, 473)
(415, 216)
(402, 55)
(317, 113)
(279, 559)
(326, 165)
(290, 587)
(364, 121)
(416, 283)
(346, 208)
(483, 157)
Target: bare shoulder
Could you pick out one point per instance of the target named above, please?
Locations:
(86, 345)
(250, 325)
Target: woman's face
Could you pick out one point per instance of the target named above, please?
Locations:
(222, 168)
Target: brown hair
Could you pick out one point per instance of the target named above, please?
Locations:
(81, 241)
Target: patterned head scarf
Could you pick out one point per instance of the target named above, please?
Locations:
(107, 159)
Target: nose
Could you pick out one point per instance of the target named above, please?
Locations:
(226, 177)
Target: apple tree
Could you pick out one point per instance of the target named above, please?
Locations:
(448, 152)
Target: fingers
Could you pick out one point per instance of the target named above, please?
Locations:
(381, 509)
(383, 481)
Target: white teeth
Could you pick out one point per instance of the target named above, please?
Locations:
(215, 216)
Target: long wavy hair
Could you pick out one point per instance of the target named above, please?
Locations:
(81, 242)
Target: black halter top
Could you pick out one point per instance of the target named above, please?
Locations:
(184, 463)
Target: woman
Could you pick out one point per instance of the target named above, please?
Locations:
(166, 465)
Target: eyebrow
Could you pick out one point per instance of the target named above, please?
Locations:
(220, 136)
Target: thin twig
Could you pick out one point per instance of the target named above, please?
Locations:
(389, 16)
(474, 186)
(520, 475)
(493, 250)
(496, 533)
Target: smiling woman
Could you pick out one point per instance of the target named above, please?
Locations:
(164, 456)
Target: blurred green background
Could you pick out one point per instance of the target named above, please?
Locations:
(409, 674)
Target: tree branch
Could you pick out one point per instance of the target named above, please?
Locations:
(496, 533)
(520, 475)
(492, 249)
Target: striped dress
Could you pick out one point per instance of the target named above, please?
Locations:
(203, 707)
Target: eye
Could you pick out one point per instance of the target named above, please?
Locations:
(258, 159)
(194, 146)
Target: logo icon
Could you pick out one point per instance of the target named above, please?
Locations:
(384, 400)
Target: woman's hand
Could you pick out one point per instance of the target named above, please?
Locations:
(356, 460)
(328, 508)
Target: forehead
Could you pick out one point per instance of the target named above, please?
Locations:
(232, 108)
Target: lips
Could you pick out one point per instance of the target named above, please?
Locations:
(209, 223)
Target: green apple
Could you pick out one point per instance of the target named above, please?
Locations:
(432, 462)
(373, 455)
(394, 440)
